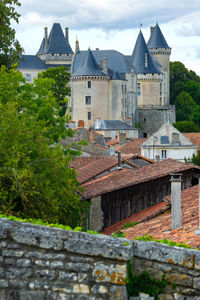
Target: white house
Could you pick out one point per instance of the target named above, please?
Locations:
(168, 142)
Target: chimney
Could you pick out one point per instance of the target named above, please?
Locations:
(122, 138)
(45, 38)
(152, 29)
(77, 46)
(67, 33)
(91, 135)
(119, 161)
(176, 200)
(103, 65)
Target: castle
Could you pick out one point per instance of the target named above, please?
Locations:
(107, 85)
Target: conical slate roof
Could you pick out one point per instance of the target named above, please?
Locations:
(57, 41)
(157, 39)
(89, 66)
(141, 59)
(42, 47)
(115, 75)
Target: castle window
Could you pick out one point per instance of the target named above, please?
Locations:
(87, 100)
(138, 88)
(89, 84)
(145, 60)
(28, 77)
(89, 115)
(164, 154)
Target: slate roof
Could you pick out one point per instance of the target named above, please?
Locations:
(157, 39)
(115, 75)
(114, 125)
(42, 47)
(89, 66)
(32, 62)
(138, 58)
(124, 178)
(57, 41)
(115, 60)
(160, 226)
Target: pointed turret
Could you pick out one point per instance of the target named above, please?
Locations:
(89, 66)
(157, 39)
(115, 75)
(41, 51)
(58, 44)
(141, 58)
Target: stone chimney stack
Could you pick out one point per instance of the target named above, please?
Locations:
(103, 65)
(67, 33)
(176, 200)
(119, 161)
(46, 38)
(151, 29)
(122, 138)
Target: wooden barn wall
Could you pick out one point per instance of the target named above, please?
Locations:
(120, 204)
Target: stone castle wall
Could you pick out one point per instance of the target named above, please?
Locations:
(42, 263)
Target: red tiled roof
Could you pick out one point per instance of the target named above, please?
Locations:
(97, 167)
(142, 216)
(132, 147)
(194, 137)
(124, 178)
(112, 142)
(82, 161)
(160, 226)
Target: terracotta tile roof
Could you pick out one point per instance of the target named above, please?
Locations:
(194, 137)
(112, 142)
(128, 177)
(132, 147)
(80, 162)
(139, 217)
(97, 167)
(160, 226)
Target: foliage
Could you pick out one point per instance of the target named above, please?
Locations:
(35, 180)
(9, 46)
(144, 283)
(184, 106)
(150, 238)
(186, 126)
(195, 159)
(118, 234)
(60, 87)
(129, 224)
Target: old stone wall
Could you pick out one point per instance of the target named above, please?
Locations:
(180, 267)
(42, 263)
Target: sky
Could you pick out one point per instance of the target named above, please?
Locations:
(114, 24)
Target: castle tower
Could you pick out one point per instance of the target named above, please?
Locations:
(55, 48)
(89, 85)
(149, 76)
(160, 51)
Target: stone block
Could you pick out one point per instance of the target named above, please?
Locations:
(3, 283)
(114, 274)
(27, 295)
(81, 289)
(68, 276)
(180, 279)
(15, 253)
(48, 274)
(23, 263)
(42, 263)
(76, 267)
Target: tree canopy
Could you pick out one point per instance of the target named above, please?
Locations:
(35, 178)
(9, 46)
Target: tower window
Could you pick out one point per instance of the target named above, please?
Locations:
(145, 60)
(89, 115)
(87, 100)
(138, 88)
(89, 84)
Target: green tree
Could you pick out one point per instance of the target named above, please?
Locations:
(184, 106)
(186, 126)
(9, 46)
(195, 159)
(35, 178)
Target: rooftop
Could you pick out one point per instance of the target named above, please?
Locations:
(160, 226)
(157, 39)
(132, 147)
(128, 177)
(194, 137)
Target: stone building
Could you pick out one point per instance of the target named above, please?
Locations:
(107, 85)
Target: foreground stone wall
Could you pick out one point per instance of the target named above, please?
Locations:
(42, 263)
(180, 266)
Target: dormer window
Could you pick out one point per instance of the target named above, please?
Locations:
(145, 60)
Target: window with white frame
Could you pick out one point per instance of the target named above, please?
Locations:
(28, 77)
(164, 154)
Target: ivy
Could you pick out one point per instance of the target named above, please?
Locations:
(129, 224)
(143, 283)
